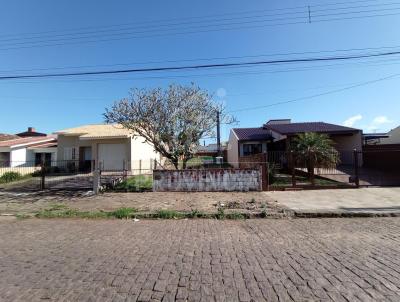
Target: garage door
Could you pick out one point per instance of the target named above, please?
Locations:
(112, 156)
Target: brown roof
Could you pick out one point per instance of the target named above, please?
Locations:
(320, 127)
(97, 131)
(252, 133)
(6, 137)
(26, 141)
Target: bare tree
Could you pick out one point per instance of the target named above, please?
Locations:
(173, 120)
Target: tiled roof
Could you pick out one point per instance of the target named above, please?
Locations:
(26, 141)
(97, 131)
(320, 127)
(252, 133)
(6, 137)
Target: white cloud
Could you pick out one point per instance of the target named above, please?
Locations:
(378, 122)
(352, 120)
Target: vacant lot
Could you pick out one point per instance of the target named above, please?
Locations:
(200, 260)
(207, 202)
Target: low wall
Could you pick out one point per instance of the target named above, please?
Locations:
(210, 180)
(251, 161)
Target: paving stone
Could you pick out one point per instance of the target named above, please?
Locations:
(200, 260)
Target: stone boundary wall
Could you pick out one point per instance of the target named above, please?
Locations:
(207, 180)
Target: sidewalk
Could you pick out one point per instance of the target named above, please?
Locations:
(342, 202)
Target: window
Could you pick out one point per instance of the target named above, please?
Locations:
(249, 149)
(69, 153)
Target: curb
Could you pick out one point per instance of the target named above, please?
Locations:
(344, 214)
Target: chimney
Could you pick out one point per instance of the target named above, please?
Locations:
(31, 129)
(279, 122)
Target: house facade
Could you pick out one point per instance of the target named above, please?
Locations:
(108, 147)
(277, 135)
(27, 152)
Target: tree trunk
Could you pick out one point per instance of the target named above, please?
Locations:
(310, 171)
(184, 162)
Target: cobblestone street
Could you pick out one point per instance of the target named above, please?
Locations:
(200, 260)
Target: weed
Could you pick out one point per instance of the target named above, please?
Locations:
(235, 216)
(195, 214)
(168, 214)
(122, 213)
(136, 183)
(221, 213)
(263, 213)
(252, 200)
(22, 216)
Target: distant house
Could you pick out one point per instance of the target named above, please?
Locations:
(109, 147)
(212, 150)
(27, 151)
(393, 137)
(276, 135)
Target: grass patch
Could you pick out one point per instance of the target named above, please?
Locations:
(122, 213)
(169, 214)
(138, 183)
(234, 216)
(8, 177)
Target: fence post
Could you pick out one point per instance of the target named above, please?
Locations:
(291, 158)
(42, 175)
(264, 172)
(356, 168)
(96, 181)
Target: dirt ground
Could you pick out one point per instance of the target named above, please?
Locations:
(207, 202)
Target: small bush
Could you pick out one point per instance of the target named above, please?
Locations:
(168, 214)
(10, 176)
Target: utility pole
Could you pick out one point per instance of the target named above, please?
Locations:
(218, 134)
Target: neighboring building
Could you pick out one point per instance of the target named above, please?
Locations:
(212, 150)
(27, 151)
(30, 133)
(276, 135)
(110, 147)
(393, 137)
(6, 137)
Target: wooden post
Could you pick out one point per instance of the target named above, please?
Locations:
(264, 173)
(356, 169)
(292, 168)
(42, 175)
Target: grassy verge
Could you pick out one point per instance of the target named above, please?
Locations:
(138, 183)
(10, 177)
(62, 211)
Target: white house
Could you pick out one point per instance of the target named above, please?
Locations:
(107, 146)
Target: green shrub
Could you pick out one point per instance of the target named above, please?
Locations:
(136, 183)
(10, 176)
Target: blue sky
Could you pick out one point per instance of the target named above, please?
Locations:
(54, 104)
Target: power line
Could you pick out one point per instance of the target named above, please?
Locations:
(209, 59)
(196, 67)
(317, 95)
(133, 35)
(303, 7)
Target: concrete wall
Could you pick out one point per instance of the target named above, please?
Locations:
(18, 157)
(394, 137)
(233, 150)
(345, 144)
(218, 180)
